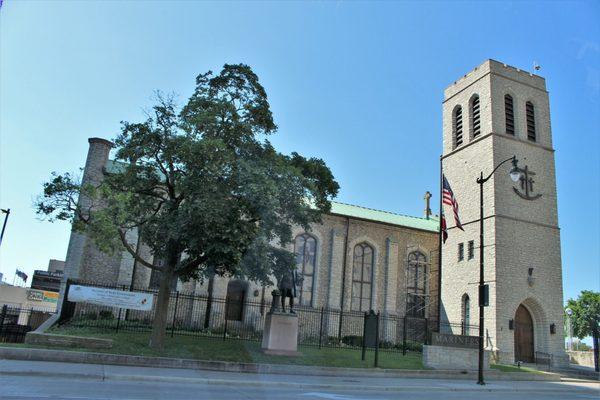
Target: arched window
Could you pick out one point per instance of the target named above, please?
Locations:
(362, 270)
(475, 120)
(458, 126)
(530, 115)
(416, 284)
(234, 303)
(509, 114)
(305, 248)
(466, 314)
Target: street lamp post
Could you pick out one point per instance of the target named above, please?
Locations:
(569, 331)
(7, 212)
(515, 175)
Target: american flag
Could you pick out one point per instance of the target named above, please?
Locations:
(448, 198)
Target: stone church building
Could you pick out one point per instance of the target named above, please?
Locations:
(362, 259)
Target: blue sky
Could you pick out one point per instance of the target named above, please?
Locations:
(357, 84)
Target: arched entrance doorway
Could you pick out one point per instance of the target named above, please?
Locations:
(523, 335)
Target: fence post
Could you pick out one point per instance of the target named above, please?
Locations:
(65, 307)
(225, 328)
(377, 341)
(119, 319)
(321, 329)
(426, 331)
(2, 317)
(174, 314)
(364, 341)
(404, 336)
(340, 324)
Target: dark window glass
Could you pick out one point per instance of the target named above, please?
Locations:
(305, 248)
(471, 249)
(509, 113)
(466, 315)
(461, 251)
(458, 127)
(530, 114)
(234, 307)
(475, 116)
(362, 269)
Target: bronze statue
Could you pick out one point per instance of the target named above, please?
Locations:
(288, 288)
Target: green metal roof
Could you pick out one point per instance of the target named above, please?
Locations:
(347, 210)
(370, 214)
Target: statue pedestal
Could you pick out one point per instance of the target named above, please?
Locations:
(280, 336)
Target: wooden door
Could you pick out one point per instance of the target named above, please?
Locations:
(523, 335)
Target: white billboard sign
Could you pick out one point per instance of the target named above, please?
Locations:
(111, 297)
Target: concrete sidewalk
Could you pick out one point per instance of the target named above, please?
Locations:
(100, 372)
(65, 356)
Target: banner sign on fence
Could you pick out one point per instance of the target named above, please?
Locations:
(111, 297)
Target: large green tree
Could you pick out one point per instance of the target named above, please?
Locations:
(202, 186)
(585, 318)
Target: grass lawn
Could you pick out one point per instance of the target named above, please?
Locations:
(204, 348)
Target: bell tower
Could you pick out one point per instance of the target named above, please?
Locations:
(489, 115)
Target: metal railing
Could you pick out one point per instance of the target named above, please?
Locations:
(15, 322)
(190, 314)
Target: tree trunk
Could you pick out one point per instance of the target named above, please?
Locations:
(211, 283)
(595, 338)
(159, 325)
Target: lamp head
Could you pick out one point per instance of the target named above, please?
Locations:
(515, 172)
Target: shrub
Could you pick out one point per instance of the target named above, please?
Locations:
(352, 340)
(106, 315)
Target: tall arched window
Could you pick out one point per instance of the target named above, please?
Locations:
(305, 248)
(530, 115)
(466, 314)
(234, 303)
(458, 126)
(509, 114)
(476, 122)
(416, 284)
(362, 271)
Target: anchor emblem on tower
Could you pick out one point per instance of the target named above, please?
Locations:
(526, 185)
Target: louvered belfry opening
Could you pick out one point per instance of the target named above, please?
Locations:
(458, 126)
(530, 114)
(475, 114)
(510, 115)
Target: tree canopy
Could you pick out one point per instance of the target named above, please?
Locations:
(585, 317)
(202, 186)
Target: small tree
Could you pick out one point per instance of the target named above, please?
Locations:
(203, 188)
(585, 318)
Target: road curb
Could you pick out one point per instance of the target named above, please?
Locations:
(36, 354)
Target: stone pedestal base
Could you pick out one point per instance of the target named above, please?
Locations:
(280, 336)
(441, 357)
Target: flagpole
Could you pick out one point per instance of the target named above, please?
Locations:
(440, 250)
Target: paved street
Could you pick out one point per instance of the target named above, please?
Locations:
(39, 380)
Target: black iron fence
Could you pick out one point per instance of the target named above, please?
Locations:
(190, 314)
(462, 328)
(15, 322)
